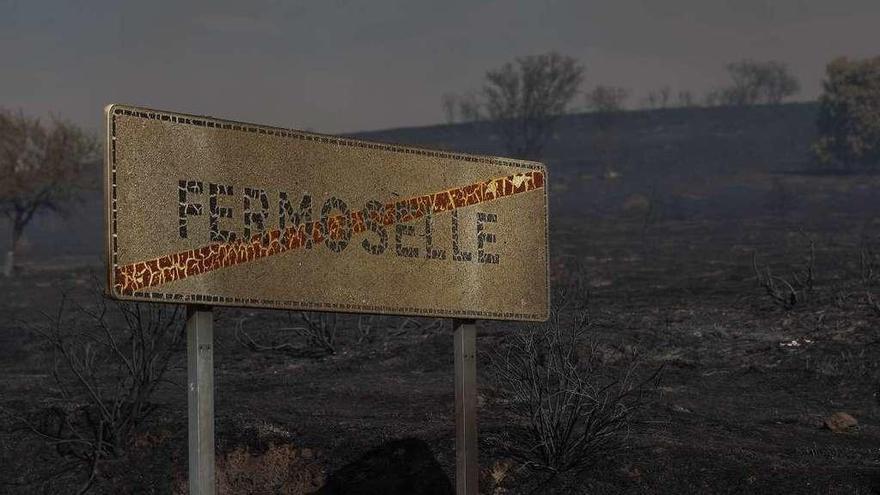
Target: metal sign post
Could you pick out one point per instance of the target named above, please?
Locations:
(466, 462)
(200, 368)
(210, 212)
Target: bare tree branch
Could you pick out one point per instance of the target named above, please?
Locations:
(526, 97)
(44, 167)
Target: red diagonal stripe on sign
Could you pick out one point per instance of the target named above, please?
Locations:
(176, 266)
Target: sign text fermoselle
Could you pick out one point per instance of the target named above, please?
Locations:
(202, 210)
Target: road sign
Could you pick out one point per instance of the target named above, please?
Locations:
(214, 212)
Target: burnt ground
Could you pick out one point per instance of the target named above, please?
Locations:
(735, 410)
(664, 229)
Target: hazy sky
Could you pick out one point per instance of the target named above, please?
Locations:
(336, 66)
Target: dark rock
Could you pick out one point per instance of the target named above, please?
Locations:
(400, 467)
(840, 422)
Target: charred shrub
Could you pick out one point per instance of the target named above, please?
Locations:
(318, 329)
(317, 332)
(794, 289)
(567, 406)
(107, 359)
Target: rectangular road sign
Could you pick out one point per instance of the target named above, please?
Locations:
(208, 211)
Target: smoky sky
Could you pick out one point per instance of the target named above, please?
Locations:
(336, 66)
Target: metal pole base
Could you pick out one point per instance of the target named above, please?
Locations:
(200, 395)
(466, 461)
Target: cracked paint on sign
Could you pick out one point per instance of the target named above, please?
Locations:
(193, 204)
(151, 273)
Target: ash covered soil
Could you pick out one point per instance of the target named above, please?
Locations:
(740, 406)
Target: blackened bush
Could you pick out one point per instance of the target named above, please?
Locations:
(568, 408)
(107, 361)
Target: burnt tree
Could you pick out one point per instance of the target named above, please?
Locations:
(524, 98)
(44, 167)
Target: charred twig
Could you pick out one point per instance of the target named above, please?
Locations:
(413, 325)
(319, 330)
(365, 326)
(569, 412)
(247, 341)
(791, 292)
(108, 359)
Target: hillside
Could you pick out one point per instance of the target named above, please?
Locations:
(711, 161)
(701, 141)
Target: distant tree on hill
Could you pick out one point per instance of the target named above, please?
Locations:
(466, 107)
(712, 98)
(449, 102)
(686, 98)
(606, 102)
(849, 114)
(470, 108)
(754, 82)
(604, 99)
(43, 167)
(524, 98)
(664, 93)
(658, 98)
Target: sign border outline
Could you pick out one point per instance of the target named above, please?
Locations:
(112, 110)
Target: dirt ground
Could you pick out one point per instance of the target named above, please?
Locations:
(739, 408)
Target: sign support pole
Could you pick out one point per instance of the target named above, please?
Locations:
(200, 396)
(466, 462)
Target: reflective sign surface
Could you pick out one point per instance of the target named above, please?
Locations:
(207, 211)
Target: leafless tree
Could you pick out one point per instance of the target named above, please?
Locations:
(754, 82)
(43, 168)
(108, 360)
(524, 98)
(607, 102)
(603, 98)
(686, 98)
(470, 108)
(658, 98)
(712, 98)
(449, 102)
(664, 93)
